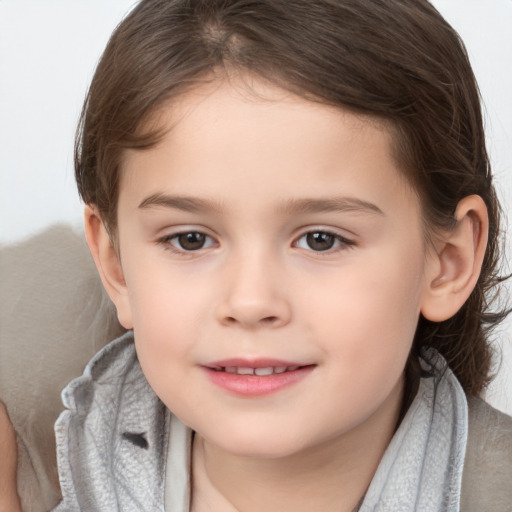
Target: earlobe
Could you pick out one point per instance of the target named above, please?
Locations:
(108, 264)
(456, 266)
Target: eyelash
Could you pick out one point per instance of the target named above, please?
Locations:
(340, 243)
(167, 242)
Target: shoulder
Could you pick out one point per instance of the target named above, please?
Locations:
(112, 435)
(487, 477)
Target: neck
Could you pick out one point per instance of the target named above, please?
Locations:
(331, 476)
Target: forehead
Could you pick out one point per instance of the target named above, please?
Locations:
(211, 102)
(226, 139)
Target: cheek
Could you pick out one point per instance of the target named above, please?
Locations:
(167, 326)
(168, 316)
(368, 315)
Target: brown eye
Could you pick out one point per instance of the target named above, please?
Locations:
(320, 241)
(191, 241)
(323, 241)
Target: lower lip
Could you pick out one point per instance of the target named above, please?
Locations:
(255, 385)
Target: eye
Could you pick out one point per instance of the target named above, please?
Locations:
(320, 241)
(189, 241)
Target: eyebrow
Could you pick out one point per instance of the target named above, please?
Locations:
(290, 207)
(185, 203)
(330, 204)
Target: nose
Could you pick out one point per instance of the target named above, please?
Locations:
(254, 296)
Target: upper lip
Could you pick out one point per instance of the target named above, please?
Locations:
(254, 363)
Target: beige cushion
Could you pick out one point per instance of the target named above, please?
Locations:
(54, 315)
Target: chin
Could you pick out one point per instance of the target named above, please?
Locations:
(258, 444)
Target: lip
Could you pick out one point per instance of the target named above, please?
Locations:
(256, 385)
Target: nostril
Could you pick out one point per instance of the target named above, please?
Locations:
(267, 320)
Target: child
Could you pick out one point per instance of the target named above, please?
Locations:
(290, 204)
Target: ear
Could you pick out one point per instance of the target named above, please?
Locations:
(457, 262)
(108, 263)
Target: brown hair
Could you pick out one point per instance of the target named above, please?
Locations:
(396, 60)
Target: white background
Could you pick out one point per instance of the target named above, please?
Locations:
(48, 51)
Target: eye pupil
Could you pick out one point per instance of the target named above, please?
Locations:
(320, 241)
(191, 241)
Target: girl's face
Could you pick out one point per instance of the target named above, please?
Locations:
(274, 268)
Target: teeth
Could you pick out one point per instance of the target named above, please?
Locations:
(270, 370)
(264, 371)
(245, 371)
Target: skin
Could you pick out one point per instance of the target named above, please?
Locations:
(9, 499)
(260, 170)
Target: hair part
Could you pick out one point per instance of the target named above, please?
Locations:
(393, 60)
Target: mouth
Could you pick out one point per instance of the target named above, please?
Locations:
(252, 379)
(259, 371)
